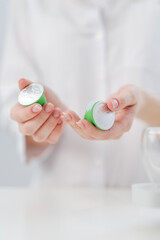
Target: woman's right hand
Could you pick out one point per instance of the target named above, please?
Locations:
(43, 124)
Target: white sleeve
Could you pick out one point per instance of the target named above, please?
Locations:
(17, 62)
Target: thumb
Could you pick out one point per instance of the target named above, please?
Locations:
(23, 83)
(124, 98)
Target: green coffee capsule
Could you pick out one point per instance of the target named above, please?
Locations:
(100, 118)
(34, 93)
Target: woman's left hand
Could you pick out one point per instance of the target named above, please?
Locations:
(126, 103)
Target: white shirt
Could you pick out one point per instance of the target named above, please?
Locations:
(83, 50)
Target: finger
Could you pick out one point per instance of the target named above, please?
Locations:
(126, 119)
(83, 127)
(30, 127)
(87, 130)
(22, 114)
(56, 133)
(72, 118)
(120, 126)
(45, 130)
(118, 129)
(125, 97)
(23, 83)
(118, 137)
(90, 130)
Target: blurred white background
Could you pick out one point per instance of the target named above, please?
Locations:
(12, 171)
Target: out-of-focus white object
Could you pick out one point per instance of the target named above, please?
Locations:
(149, 194)
(151, 153)
(75, 214)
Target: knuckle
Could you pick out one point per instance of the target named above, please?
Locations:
(132, 94)
(74, 125)
(105, 138)
(118, 137)
(27, 113)
(41, 117)
(51, 123)
(52, 140)
(101, 138)
(123, 101)
(28, 129)
(132, 91)
(39, 137)
(107, 135)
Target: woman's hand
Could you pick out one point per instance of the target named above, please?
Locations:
(42, 124)
(126, 103)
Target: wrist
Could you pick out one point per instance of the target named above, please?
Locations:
(148, 108)
(141, 102)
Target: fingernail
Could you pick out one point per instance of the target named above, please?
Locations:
(59, 122)
(80, 124)
(67, 117)
(48, 107)
(36, 108)
(115, 103)
(56, 114)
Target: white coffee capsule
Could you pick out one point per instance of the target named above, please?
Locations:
(95, 114)
(34, 93)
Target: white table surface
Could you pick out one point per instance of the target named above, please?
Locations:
(56, 214)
